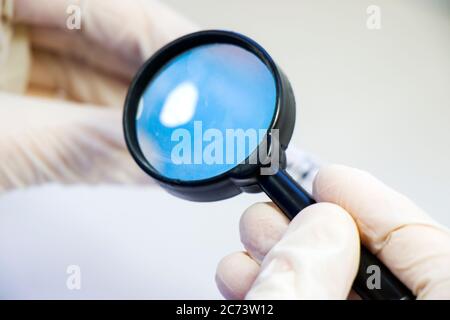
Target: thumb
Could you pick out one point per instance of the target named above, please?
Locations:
(317, 258)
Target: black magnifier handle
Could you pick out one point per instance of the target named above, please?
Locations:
(291, 198)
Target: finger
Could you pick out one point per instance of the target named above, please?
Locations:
(235, 275)
(68, 78)
(261, 227)
(413, 246)
(317, 258)
(133, 30)
(43, 140)
(75, 46)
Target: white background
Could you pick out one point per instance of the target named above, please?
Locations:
(375, 99)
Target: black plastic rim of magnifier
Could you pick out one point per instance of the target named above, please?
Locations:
(243, 176)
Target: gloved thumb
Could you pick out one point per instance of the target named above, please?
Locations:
(317, 257)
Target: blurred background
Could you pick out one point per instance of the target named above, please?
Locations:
(374, 99)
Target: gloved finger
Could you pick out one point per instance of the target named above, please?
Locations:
(46, 140)
(317, 258)
(235, 275)
(261, 226)
(74, 46)
(129, 30)
(411, 244)
(63, 77)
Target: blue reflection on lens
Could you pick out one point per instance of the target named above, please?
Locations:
(205, 95)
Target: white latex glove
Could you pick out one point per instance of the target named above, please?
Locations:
(316, 256)
(70, 138)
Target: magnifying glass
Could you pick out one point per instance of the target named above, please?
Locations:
(209, 116)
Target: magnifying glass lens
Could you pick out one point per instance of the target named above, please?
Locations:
(196, 103)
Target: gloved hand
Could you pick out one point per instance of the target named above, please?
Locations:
(316, 256)
(76, 136)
